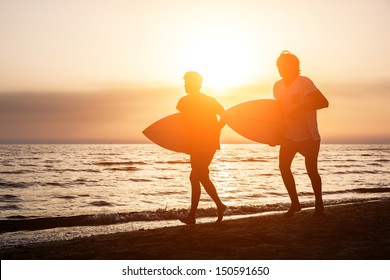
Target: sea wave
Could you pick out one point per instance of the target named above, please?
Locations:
(109, 163)
(20, 223)
(7, 184)
(354, 190)
(16, 172)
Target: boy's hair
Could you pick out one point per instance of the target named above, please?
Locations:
(287, 58)
(193, 77)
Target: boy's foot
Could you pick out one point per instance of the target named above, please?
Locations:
(188, 220)
(319, 212)
(221, 210)
(292, 210)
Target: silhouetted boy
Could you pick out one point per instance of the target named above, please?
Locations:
(202, 132)
(300, 99)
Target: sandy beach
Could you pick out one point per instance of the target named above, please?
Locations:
(352, 231)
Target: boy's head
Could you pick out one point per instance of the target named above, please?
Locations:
(192, 82)
(288, 64)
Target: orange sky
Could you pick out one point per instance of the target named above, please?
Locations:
(101, 71)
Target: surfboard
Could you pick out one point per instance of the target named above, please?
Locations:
(257, 120)
(168, 133)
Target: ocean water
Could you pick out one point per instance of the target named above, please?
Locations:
(52, 192)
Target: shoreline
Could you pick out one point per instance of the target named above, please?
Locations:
(358, 231)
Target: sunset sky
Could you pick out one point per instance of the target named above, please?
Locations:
(84, 71)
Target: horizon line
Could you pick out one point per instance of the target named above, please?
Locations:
(340, 142)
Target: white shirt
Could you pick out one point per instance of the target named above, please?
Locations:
(303, 126)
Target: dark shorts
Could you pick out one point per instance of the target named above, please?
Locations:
(307, 148)
(200, 161)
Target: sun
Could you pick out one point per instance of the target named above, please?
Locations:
(224, 58)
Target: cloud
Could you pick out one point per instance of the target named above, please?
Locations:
(358, 113)
(104, 116)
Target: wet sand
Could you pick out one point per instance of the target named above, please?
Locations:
(353, 231)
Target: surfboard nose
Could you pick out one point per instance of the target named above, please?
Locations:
(258, 120)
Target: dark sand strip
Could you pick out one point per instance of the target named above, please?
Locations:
(353, 231)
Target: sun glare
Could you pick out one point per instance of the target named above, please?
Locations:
(225, 59)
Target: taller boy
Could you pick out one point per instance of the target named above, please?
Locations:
(300, 99)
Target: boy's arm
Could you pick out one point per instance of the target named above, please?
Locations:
(221, 122)
(219, 111)
(316, 101)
